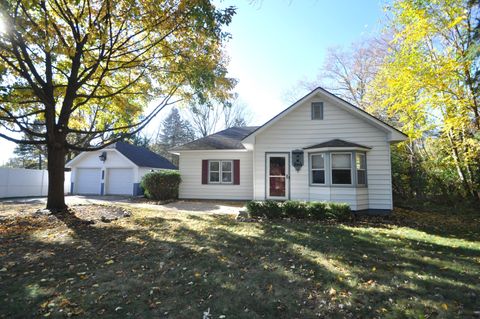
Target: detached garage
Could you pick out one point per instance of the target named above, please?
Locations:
(114, 170)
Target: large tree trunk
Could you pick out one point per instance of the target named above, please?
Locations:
(56, 177)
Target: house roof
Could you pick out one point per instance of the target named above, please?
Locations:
(228, 139)
(395, 134)
(336, 143)
(142, 156)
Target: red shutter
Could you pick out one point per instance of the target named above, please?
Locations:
(236, 172)
(204, 171)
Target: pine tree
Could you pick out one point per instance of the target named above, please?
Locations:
(175, 131)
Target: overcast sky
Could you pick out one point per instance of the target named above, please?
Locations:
(277, 43)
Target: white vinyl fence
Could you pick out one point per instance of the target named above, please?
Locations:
(20, 182)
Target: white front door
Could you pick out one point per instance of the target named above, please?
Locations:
(119, 181)
(277, 176)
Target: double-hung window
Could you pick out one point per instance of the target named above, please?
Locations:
(361, 165)
(342, 168)
(317, 111)
(220, 172)
(318, 169)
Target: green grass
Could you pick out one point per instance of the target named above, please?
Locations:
(167, 265)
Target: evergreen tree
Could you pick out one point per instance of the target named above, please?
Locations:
(175, 131)
(30, 156)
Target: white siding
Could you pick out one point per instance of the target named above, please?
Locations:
(142, 171)
(297, 130)
(190, 167)
(115, 160)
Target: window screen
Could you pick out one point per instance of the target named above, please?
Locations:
(318, 169)
(317, 111)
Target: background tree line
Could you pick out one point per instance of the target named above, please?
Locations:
(178, 127)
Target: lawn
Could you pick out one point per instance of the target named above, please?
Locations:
(416, 264)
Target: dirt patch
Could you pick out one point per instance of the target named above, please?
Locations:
(102, 213)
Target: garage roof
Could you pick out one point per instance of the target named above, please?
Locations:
(229, 139)
(142, 156)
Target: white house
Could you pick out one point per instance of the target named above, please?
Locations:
(321, 148)
(114, 170)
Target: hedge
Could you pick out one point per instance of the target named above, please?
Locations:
(161, 185)
(300, 210)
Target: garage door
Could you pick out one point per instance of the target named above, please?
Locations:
(88, 181)
(119, 181)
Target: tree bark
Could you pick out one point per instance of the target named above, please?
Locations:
(56, 177)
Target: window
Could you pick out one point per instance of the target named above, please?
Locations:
(220, 172)
(227, 172)
(342, 168)
(361, 165)
(317, 111)
(317, 169)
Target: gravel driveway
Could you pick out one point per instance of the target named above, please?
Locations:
(189, 206)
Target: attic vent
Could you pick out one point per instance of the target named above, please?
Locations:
(317, 111)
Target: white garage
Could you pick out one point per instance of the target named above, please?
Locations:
(88, 181)
(119, 181)
(114, 170)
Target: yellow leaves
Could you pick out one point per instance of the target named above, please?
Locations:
(445, 306)
(332, 292)
(109, 262)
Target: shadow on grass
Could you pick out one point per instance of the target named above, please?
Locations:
(450, 223)
(168, 267)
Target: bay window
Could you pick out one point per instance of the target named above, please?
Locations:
(361, 166)
(318, 168)
(341, 168)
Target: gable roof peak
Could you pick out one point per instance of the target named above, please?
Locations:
(394, 134)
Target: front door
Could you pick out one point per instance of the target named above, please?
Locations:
(277, 176)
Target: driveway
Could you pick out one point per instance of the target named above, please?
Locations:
(188, 206)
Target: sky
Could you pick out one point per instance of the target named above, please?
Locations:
(277, 43)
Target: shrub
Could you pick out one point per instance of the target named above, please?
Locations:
(272, 209)
(267, 209)
(296, 209)
(317, 210)
(339, 211)
(255, 209)
(161, 185)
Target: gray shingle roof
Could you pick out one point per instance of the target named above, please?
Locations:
(142, 156)
(229, 139)
(336, 143)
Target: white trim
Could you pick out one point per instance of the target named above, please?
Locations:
(311, 169)
(350, 168)
(267, 176)
(72, 162)
(125, 158)
(214, 150)
(336, 149)
(360, 169)
(393, 135)
(220, 172)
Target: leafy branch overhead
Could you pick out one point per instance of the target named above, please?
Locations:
(90, 68)
(79, 74)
